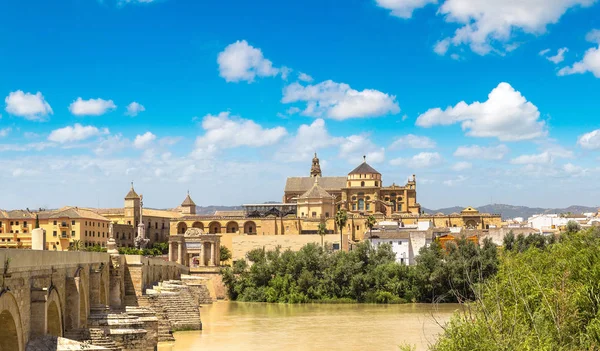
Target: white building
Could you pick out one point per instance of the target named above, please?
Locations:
(400, 242)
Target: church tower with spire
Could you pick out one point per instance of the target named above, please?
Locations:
(315, 169)
(132, 207)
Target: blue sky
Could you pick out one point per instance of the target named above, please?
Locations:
(484, 101)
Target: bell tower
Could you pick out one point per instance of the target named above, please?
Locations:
(315, 169)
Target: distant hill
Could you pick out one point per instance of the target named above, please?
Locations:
(510, 211)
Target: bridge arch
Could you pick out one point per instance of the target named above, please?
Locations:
(54, 325)
(11, 329)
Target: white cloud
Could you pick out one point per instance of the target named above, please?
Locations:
(559, 57)
(455, 181)
(134, 108)
(354, 147)
(544, 52)
(309, 138)
(483, 23)
(4, 132)
(30, 106)
(339, 101)
(461, 166)
(292, 110)
(305, 77)
(111, 144)
(506, 115)
(144, 141)
(546, 157)
(421, 160)
(441, 47)
(73, 133)
(488, 21)
(243, 62)
(403, 8)
(285, 72)
(225, 131)
(590, 61)
(590, 140)
(574, 170)
(91, 107)
(482, 152)
(411, 141)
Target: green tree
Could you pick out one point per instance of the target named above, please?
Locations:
(225, 254)
(76, 245)
(509, 241)
(322, 230)
(341, 218)
(573, 227)
(370, 222)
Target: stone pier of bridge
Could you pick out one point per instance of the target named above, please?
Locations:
(64, 294)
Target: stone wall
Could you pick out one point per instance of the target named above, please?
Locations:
(242, 244)
(142, 273)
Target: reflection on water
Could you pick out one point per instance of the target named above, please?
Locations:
(261, 326)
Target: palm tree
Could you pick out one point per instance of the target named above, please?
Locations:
(370, 223)
(322, 230)
(341, 218)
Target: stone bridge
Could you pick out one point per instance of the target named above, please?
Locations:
(52, 293)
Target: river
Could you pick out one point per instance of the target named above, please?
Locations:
(264, 327)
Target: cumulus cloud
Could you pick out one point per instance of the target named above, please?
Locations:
(590, 141)
(421, 160)
(411, 141)
(461, 166)
(574, 170)
(74, 133)
(354, 147)
(558, 58)
(91, 107)
(506, 115)
(590, 61)
(546, 157)
(144, 141)
(111, 144)
(30, 106)
(243, 62)
(486, 22)
(305, 77)
(455, 181)
(403, 8)
(226, 131)
(482, 152)
(134, 108)
(339, 101)
(309, 138)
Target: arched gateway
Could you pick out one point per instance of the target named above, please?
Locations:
(11, 332)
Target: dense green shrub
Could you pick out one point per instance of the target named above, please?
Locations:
(541, 299)
(366, 274)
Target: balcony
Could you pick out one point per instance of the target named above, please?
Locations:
(63, 225)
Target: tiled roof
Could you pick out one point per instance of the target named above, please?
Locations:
(316, 191)
(188, 201)
(131, 194)
(364, 168)
(399, 234)
(302, 184)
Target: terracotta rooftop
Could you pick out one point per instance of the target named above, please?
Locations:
(303, 184)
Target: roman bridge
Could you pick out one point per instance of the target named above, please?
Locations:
(51, 293)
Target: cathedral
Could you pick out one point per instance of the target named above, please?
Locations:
(360, 192)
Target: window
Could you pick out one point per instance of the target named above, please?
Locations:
(391, 243)
(353, 207)
(357, 227)
(327, 214)
(361, 204)
(72, 222)
(314, 215)
(24, 230)
(86, 233)
(156, 225)
(86, 223)
(376, 183)
(163, 226)
(64, 233)
(362, 184)
(64, 224)
(368, 206)
(72, 233)
(302, 214)
(25, 224)
(17, 231)
(54, 222)
(12, 223)
(54, 233)
(17, 222)
(129, 222)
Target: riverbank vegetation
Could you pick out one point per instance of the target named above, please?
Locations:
(544, 297)
(365, 274)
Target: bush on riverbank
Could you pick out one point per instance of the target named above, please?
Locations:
(366, 274)
(541, 299)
